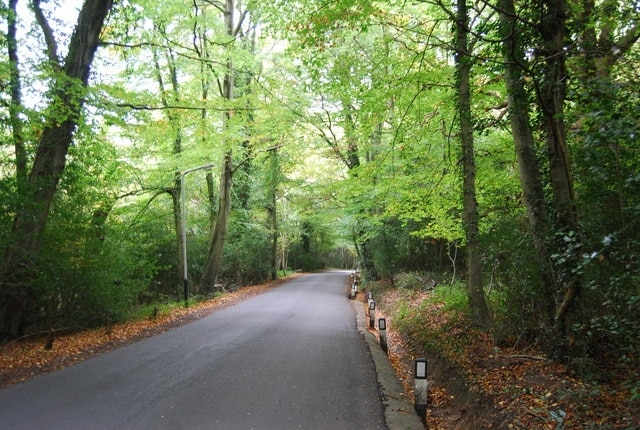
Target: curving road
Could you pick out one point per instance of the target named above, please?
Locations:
(290, 358)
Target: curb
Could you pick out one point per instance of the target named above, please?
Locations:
(398, 412)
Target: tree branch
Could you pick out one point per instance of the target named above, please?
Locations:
(52, 47)
(178, 107)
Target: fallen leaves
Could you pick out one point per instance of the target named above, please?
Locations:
(486, 387)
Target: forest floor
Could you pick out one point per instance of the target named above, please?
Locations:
(474, 384)
(474, 387)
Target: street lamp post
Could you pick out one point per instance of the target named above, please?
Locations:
(183, 229)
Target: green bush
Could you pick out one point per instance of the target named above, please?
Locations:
(417, 281)
(81, 282)
(246, 258)
(454, 296)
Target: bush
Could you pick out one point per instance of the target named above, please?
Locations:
(246, 258)
(80, 283)
(416, 281)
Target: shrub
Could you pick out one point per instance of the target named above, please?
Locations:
(415, 281)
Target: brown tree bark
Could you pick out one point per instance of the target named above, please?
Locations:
(15, 106)
(518, 102)
(477, 303)
(49, 163)
(274, 179)
(528, 166)
(219, 230)
(553, 29)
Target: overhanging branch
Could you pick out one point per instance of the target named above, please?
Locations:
(179, 107)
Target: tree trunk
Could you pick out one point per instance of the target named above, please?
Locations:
(216, 242)
(49, 163)
(477, 303)
(176, 200)
(16, 98)
(176, 191)
(219, 230)
(528, 166)
(273, 181)
(553, 94)
(529, 172)
(211, 198)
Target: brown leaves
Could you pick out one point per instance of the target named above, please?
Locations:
(477, 385)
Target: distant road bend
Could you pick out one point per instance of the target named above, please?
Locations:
(290, 358)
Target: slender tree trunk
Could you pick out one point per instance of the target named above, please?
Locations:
(528, 167)
(478, 306)
(217, 240)
(176, 200)
(553, 94)
(49, 163)
(219, 231)
(529, 171)
(15, 106)
(274, 179)
(211, 196)
(274, 241)
(174, 122)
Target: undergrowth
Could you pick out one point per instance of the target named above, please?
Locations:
(434, 322)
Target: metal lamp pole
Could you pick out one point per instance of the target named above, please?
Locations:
(183, 229)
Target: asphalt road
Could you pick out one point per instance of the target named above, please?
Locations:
(290, 358)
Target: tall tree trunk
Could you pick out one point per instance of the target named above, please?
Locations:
(529, 171)
(477, 303)
(272, 184)
(174, 123)
(49, 163)
(219, 230)
(176, 200)
(218, 237)
(553, 94)
(211, 198)
(528, 166)
(16, 98)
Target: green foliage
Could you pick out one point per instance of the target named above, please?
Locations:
(246, 259)
(341, 257)
(415, 281)
(365, 161)
(438, 324)
(90, 270)
(453, 296)
(79, 288)
(315, 243)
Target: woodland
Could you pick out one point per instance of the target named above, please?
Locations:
(157, 152)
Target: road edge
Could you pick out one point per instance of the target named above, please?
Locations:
(399, 414)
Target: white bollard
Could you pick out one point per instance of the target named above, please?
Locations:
(382, 327)
(421, 387)
(372, 314)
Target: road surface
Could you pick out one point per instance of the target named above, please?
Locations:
(290, 358)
